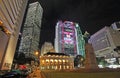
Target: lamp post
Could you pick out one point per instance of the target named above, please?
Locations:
(37, 54)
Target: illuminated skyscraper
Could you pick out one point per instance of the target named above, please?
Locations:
(11, 16)
(69, 38)
(80, 41)
(31, 30)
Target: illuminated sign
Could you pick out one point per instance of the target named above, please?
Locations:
(68, 30)
(68, 38)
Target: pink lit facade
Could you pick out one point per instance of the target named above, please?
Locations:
(65, 41)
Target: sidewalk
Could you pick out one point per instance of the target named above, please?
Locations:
(36, 74)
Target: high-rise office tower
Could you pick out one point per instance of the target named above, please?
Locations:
(31, 30)
(105, 41)
(79, 41)
(11, 17)
(69, 38)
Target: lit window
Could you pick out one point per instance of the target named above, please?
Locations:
(60, 67)
(49, 55)
(43, 61)
(56, 60)
(60, 61)
(51, 60)
(47, 60)
(67, 67)
(63, 60)
(66, 60)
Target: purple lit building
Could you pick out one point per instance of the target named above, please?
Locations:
(66, 38)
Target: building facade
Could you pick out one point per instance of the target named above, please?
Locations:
(31, 30)
(11, 17)
(105, 41)
(46, 47)
(116, 25)
(80, 41)
(68, 38)
(56, 61)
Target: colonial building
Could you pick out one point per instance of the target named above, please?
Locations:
(56, 61)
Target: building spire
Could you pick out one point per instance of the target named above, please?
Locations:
(86, 36)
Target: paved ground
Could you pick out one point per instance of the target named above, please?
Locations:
(83, 73)
(80, 73)
(36, 74)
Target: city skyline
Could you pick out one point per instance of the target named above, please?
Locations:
(91, 15)
(62, 27)
(68, 23)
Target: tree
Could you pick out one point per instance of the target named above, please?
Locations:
(21, 58)
(29, 59)
(79, 61)
(117, 49)
(101, 61)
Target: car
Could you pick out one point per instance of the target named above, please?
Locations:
(11, 74)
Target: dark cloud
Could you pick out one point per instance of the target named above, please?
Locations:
(91, 15)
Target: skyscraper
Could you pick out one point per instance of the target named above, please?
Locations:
(80, 41)
(69, 39)
(11, 16)
(31, 30)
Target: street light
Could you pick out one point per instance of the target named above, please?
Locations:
(37, 59)
(37, 54)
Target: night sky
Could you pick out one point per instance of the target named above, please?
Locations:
(92, 15)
